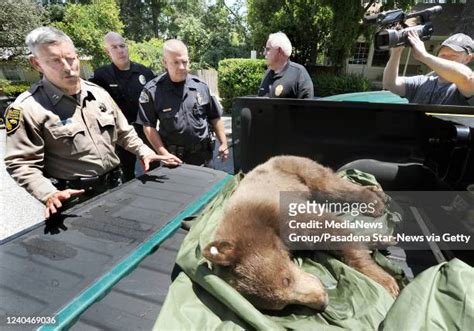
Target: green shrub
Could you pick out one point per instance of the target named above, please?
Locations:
(239, 77)
(149, 53)
(330, 84)
(13, 89)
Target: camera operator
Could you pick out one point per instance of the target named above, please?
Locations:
(452, 81)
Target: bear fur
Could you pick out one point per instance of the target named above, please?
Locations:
(249, 252)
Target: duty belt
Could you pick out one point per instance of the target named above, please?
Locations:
(107, 180)
(194, 148)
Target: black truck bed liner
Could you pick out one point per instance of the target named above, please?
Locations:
(63, 268)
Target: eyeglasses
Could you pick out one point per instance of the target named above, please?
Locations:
(266, 49)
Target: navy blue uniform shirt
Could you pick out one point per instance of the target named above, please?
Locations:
(292, 82)
(124, 86)
(183, 109)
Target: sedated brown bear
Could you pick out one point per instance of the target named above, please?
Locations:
(251, 256)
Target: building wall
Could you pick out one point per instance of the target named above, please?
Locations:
(409, 66)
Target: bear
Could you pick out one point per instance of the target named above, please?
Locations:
(250, 255)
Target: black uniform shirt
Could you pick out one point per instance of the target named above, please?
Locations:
(183, 109)
(124, 86)
(292, 82)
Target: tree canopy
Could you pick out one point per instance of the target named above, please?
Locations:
(149, 53)
(213, 30)
(87, 24)
(316, 27)
(466, 24)
(17, 19)
(307, 23)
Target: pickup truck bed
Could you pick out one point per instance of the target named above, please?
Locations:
(61, 269)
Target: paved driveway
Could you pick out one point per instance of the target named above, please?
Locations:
(19, 210)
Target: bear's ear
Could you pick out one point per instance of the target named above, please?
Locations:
(222, 252)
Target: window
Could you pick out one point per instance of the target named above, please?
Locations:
(360, 53)
(380, 58)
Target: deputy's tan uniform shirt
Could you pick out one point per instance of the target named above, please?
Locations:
(64, 137)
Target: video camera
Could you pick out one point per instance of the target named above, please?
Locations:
(390, 37)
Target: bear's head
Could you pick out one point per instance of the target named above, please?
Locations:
(264, 274)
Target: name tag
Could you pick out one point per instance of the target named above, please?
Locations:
(167, 110)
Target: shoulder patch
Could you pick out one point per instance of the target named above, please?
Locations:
(144, 98)
(88, 83)
(195, 78)
(161, 77)
(12, 118)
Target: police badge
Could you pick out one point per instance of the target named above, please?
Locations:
(102, 107)
(278, 90)
(143, 97)
(12, 119)
(142, 79)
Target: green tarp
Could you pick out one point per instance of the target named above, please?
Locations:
(199, 300)
(375, 96)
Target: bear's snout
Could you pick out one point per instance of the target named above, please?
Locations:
(308, 290)
(321, 303)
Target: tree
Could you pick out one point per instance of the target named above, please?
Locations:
(142, 18)
(315, 28)
(466, 23)
(87, 24)
(346, 28)
(17, 19)
(217, 34)
(307, 23)
(211, 32)
(149, 53)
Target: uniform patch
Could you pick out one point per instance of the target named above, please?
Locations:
(142, 79)
(144, 97)
(199, 99)
(12, 119)
(278, 90)
(102, 107)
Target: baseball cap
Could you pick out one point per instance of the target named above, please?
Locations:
(459, 42)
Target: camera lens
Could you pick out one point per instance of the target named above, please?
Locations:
(382, 41)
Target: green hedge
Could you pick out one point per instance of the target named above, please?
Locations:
(13, 89)
(330, 84)
(239, 77)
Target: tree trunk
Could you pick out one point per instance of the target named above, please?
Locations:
(155, 14)
(466, 23)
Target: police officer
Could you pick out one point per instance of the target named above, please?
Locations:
(124, 80)
(184, 107)
(62, 132)
(284, 78)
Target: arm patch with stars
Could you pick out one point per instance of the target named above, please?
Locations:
(12, 119)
